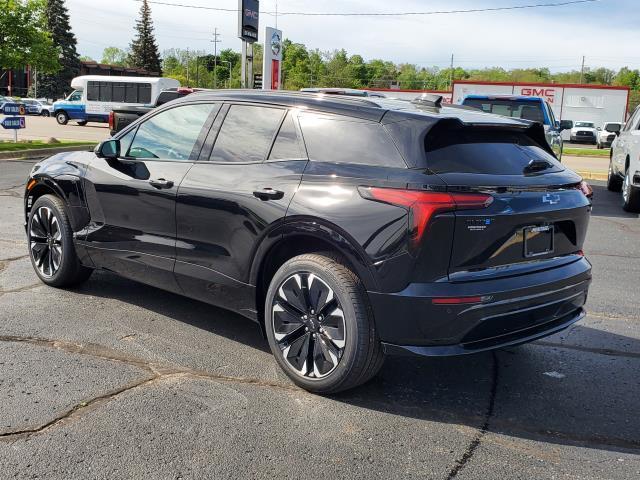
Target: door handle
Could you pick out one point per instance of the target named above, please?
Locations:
(268, 194)
(161, 183)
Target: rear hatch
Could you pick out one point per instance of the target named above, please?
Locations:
(537, 216)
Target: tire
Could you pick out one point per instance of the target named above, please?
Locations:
(614, 183)
(82, 123)
(630, 194)
(45, 113)
(598, 146)
(62, 117)
(342, 335)
(50, 238)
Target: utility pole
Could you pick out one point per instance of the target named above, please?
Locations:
(187, 67)
(582, 70)
(215, 42)
(451, 74)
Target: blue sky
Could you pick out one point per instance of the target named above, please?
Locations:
(607, 31)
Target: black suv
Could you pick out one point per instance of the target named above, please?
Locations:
(346, 228)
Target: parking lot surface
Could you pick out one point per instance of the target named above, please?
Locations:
(42, 128)
(115, 379)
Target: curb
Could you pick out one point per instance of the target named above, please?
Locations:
(592, 175)
(42, 152)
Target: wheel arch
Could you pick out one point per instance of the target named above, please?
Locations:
(306, 236)
(45, 185)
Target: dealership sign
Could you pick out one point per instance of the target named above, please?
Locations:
(549, 94)
(13, 123)
(248, 20)
(272, 60)
(13, 109)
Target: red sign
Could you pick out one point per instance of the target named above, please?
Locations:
(275, 74)
(547, 93)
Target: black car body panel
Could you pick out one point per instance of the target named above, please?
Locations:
(211, 227)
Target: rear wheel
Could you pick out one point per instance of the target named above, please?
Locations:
(82, 123)
(62, 118)
(51, 247)
(45, 113)
(614, 183)
(630, 194)
(320, 326)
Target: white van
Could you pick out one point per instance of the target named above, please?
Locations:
(94, 96)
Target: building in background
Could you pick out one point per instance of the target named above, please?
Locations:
(18, 81)
(590, 103)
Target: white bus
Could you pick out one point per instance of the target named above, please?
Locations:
(94, 96)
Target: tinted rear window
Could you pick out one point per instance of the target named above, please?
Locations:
(523, 109)
(484, 151)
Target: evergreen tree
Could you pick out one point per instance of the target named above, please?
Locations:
(56, 85)
(144, 50)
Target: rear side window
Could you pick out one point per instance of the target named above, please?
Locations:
(246, 134)
(331, 138)
(287, 144)
(483, 151)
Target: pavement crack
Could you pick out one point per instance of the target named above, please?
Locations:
(599, 351)
(475, 443)
(21, 289)
(77, 410)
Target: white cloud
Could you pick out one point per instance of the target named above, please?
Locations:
(551, 37)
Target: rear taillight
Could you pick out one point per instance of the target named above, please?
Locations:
(423, 206)
(111, 120)
(585, 188)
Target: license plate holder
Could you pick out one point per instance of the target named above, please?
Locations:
(538, 240)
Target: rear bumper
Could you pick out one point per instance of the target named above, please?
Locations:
(516, 310)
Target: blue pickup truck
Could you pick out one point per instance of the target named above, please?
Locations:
(534, 109)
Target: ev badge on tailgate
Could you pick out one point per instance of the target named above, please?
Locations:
(478, 224)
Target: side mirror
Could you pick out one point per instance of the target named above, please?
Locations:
(566, 125)
(613, 128)
(108, 149)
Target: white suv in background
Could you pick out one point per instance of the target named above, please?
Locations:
(624, 166)
(607, 134)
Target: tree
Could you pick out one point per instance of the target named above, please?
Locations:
(56, 85)
(114, 56)
(24, 39)
(144, 49)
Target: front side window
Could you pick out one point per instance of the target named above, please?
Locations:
(246, 134)
(171, 134)
(75, 96)
(331, 138)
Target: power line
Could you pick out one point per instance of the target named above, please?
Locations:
(382, 14)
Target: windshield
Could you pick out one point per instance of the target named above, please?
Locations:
(522, 109)
(584, 124)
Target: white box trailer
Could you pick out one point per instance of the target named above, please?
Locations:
(590, 103)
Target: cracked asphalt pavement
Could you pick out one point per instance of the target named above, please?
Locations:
(115, 379)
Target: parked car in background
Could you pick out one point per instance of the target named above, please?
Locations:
(123, 115)
(37, 107)
(533, 109)
(346, 228)
(607, 134)
(94, 96)
(584, 132)
(624, 164)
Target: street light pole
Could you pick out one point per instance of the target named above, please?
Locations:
(215, 56)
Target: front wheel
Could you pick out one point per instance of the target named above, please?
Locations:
(320, 326)
(51, 247)
(613, 180)
(45, 113)
(630, 194)
(62, 118)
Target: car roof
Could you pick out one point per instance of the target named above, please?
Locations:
(370, 108)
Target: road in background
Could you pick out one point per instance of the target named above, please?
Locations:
(132, 382)
(597, 165)
(42, 128)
